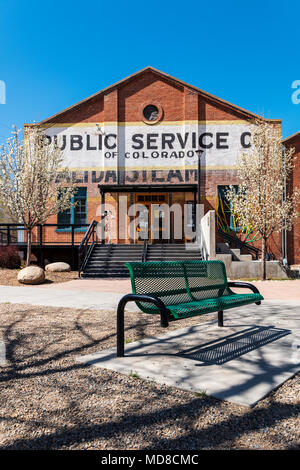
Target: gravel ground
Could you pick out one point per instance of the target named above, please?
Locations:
(48, 401)
(8, 277)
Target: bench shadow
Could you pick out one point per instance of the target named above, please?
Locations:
(231, 347)
(215, 352)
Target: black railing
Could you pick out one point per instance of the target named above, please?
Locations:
(86, 246)
(145, 249)
(42, 234)
(6, 238)
(237, 243)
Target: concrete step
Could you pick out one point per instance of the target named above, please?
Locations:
(172, 258)
(174, 251)
(179, 250)
(109, 260)
(104, 267)
(245, 258)
(112, 250)
(106, 271)
(103, 275)
(236, 253)
(116, 258)
(223, 248)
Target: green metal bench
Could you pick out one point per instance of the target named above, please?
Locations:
(181, 289)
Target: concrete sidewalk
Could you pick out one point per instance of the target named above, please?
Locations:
(256, 351)
(77, 299)
(106, 293)
(284, 290)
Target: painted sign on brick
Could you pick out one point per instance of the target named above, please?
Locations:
(133, 147)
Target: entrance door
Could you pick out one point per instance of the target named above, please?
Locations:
(143, 228)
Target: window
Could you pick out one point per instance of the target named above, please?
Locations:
(153, 198)
(77, 213)
(80, 207)
(64, 217)
(226, 217)
(151, 112)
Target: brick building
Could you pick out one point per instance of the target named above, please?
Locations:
(293, 238)
(139, 141)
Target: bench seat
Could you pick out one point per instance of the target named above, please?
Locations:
(200, 307)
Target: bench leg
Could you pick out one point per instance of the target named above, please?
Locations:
(220, 318)
(164, 321)
(120, 330)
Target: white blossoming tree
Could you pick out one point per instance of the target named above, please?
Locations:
(263, 202)
(34, 184)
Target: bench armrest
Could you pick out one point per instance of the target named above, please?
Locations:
(244, 285)
(164, 317)
(150, 299)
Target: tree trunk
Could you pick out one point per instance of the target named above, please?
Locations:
(28, 247)
(263, 259)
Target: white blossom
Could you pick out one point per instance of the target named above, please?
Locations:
(34, 184)
(264, 201)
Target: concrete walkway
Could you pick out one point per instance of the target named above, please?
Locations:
(73, 298)
(254, 353)
(284, 290)
(106, 293)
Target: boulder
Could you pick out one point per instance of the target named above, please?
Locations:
(31, 275)
(59, 267)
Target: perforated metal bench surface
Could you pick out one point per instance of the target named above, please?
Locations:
(181, 289)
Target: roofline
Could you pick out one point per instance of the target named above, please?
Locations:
(168, 77)
(291, 137)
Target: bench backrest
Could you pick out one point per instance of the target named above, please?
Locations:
(177, 282)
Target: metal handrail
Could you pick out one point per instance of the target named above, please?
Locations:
(239, 243)
(145, 249)
(86, 247)
(87, 234)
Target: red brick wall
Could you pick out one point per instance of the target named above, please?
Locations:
(293, 236)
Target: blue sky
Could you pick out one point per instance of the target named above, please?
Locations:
(53, 54)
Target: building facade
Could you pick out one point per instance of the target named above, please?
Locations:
(150, 139)
(293, 238)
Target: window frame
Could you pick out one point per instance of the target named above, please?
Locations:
(80, 189)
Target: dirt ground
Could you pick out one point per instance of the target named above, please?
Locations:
(8, 277)
(48, 401)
